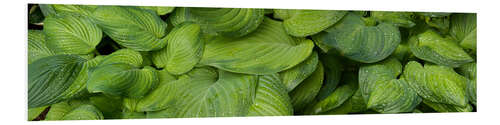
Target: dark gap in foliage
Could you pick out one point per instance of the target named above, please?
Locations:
(107, 46)
(42, 115)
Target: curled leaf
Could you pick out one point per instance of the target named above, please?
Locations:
(337, 98)
(163, 96)
(271, 98)
(294, 76)
(84, 112)
(301, 23)
(305, 93)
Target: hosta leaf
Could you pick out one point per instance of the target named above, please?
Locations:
(267, 50)
(132, 27)
(402, 19)
(37, 46)
(294, 76)
(303, 23)
(433, 14)
(133, 115)
(166, 113)
(469, 71)
(35, 112)
(438, 84)
(71, 34)
(383, 92)
(440, 107)
(183, 51)
(303, 94)
(85, 10)
(338, 97)
(110, 106)
(440, 23)
(163, 96)
(50, 79)
(355, 40)
(430, 46)
(271, 98)
(228, 22)
(84, 112)
(122, 79)
(332, 72)
(59, 110)
(204, 95)
(128, 56)
(463, 29)
(159, 10)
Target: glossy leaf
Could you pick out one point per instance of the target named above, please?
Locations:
(463, 29)
(301, 23)
(121, 79)
(332, 71)
(433, 14)
(59, 110)
(271, 98)
(163, 96)
(159, 10)
(438, 84)
(127, 56)
(440, 107)
(267, 50)
(355, 40)
(35, 112)
(184, 49)
(469, 70)
(338, 97)
(37, 46)
(132, 27)
(84, 112)
(71, 34)
(85, 10)
(228, 22)
(401, 19)
(294, 76)
(430, 46)
(110, 106)
(303, 94)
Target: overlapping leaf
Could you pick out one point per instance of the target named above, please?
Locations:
(303, 23)
(271, 98)
(402, 19)
(110, 106)
(228, 22)
(305, 93)
(184, 49)
(463, 29)
(132, 27)
(35, 112)
(84, 112)
(430, 46)
(337, 98)
(332, 72)
(71, 34)
(355, 40)
(37, 46)
(470, 72)
(438, 84)
(294, 76)
(59, 110)
(163, 96)
(159, 10)
(128, 56)
(267, 50)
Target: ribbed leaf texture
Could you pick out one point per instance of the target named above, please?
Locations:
(401, 19)
(305, 93)
(294, 76)
(301, 23)
(37, 46)
(463, 29)
(271, 98)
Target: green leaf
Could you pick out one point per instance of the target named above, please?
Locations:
(159, 10)
(294, 76)
(59, 110)
(440, 107)
(271, 98)
(163, 96)
(305, 93)
(355, 40)
(267, 50)
(122, 79)
(401, 19)
(470, 72)
(301, 23)
(51, 79)
(35, 112)
(433, 14)
(440, 23)
(184, 49)
(37, 46)
(110, 106)
(85, 10)
(430, 46)
(463, 29)
(332, 72)
(383, 92)
(438, 84)
(71, 34)
(127, 56)
(228, 22)
(132, 27)
(84, 112)
(337, 98)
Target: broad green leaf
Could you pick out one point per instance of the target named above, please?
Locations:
(440, 107)
(440, 23)
(133, 115)
(183, 51)
(293, 77)
(401, 19)
(51, 79)
(110, 106)
(463, 29)
(166, 113)
(159, 10)
(402, 53)
(84, 112)
(430, 46)
(305, 93)
(59, 110)
(383, 91)
(127, 56)
(35, 112)
(271, 98)
(47, 10)
(332, 72)
(318, 41)
(433, 14)
(132, 27)
(203, 95)
(146, 58)
(301, 23)
(357, 40)
(267, 50)
(438, 84)
(228, 22)
(469, 71)
(85, 10)
(163, 96)
(37, 46)
(71, 34)
(122, 79)
(338, 97)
